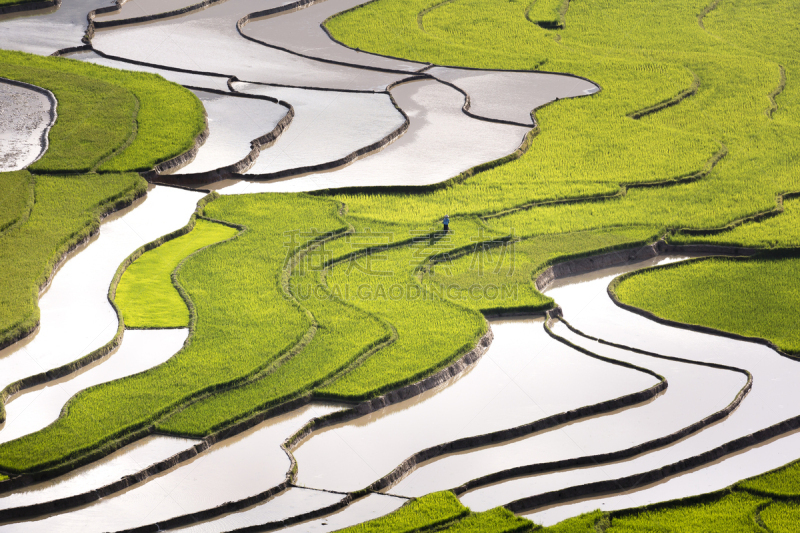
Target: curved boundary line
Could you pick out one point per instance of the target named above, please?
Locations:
(776, 92)
(45, 140)
(625, 454)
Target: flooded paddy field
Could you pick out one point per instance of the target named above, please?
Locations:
(25, 120)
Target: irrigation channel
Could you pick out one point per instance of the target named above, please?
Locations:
(545, 413)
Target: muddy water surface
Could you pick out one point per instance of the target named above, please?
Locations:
(440, 143)
(43, 32)
(24, 124)
(124, 462)
(144, 8)
(300, 31)
(523, 377)
(233, 469)
(293, 502)
(521, 92)
(369, 508)
(772, 399)
(209, 41)
(36, 408)
(233, 123)
(694, 393)
(76, 316)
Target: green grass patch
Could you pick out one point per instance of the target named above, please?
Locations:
(585, 523)
(732, 512)
(244, 323)
(67, 210)
(781, 517)
(497, 520)
(16, 197)
(97, 107)
(146, 296)
(499, 276)
(765, 302)
(776, 232)
(418, 514)
(784, 481)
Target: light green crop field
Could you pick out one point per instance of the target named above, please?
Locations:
(784, 481)
(548, 13)
(97, 109)
(765, 302)
(781, 517)
(238, 287)
(497, 520)
(419, 514)
(16, 198)
(67, 210)
(146, 296)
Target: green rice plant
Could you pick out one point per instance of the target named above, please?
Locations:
(95, 117)
(343, 334)
(731, 512)
(101, 112)
(548, 14)
(145, 295)
(499, 276)
(497, 520)
(245, 321)
(781, 517)
(765, 302)
(784, 481)
(418, 514)
(16, 198)
(585, 523)
(67, 210)
(431, 332)
(775, 232)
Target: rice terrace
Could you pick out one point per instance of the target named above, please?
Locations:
(399, 266)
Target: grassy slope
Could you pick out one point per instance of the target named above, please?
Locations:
(782, 517)
(765, 302)
(145, 295)
(245, 322)
(67, 210)
(100, 110)
(425, 512)
(15, 196)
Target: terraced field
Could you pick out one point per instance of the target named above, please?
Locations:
(229, 303)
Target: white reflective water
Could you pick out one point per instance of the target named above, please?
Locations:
(233, 123)
(143, 8)
(524, 376)
(773, 398)
(236, 468)
(368, 508)
(293, 502)
(124, 462)
(208, 41)
(140, 350)
(76, 316)
(440, 143)
(25, 117)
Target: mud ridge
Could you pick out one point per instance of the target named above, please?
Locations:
(675, 100)
(628, 453)
(644, 479)
(421, 14)
(467, 102)
(171, 165)
(776, 92)
(29, 6)
(706, 10)
(256, 146)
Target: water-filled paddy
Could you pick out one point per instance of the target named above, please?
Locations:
(36, 408)
(76, 316)
(524, 376)
(441, 142)
(24, 123)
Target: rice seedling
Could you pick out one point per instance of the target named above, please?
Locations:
(98, 107)
(732, 512)
(585, 523)
(497, 520)
(16, 198)
(499, 276)
(245, 322)
(145, 294)
(698, 292)
(784, 481)
(418, 514)
(67, 210)
(781, 517)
